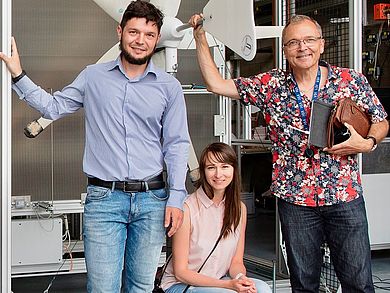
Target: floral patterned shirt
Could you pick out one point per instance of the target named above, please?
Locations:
(324, 179)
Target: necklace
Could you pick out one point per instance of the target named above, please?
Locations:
(308, 90)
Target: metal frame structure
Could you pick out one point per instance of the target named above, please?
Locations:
(355, 33)
(355, 29)
(224, 103)
(355, 50)
(6, 9)
(54, 209)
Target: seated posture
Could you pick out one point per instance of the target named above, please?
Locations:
(214, 209)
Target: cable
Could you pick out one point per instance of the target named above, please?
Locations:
(223, 58)
(52, 156)
(40, 217)
(67, 236)
(59, 269)
(219, 50)
(375, 74)
(381, 283)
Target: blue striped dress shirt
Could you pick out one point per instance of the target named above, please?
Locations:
(132, 125)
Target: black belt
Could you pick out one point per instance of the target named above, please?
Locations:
(131, 185)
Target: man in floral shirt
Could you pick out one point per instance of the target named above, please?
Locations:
(320, 190)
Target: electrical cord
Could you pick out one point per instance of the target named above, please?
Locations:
(376, 75)
(383, 284)
(58, 271)
(64, 238)
(40, 217)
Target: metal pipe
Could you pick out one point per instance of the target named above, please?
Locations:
(187, 25)
(273, 276)
(355, 34)
(6, 174)
(355, 50)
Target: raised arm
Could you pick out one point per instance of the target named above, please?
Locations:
(52, 106)
(211, 76)
(13, 62)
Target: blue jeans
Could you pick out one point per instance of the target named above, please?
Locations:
(261, 287)
(344, 228)
(123, 232)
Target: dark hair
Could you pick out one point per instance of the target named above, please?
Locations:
(142, 9)
(223, 153)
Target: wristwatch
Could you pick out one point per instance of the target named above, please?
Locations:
(374, 140)
(19, 77)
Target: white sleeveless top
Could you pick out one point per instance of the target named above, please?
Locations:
(206, 223)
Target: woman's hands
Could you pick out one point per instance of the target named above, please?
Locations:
(243, 284)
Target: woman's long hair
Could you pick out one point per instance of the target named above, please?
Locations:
(223, 153)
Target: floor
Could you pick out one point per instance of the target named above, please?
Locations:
(260, 243)
(76, 283)
(381, 270)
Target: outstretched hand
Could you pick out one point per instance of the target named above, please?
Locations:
(13, 63)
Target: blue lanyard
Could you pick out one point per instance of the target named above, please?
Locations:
(299, 98)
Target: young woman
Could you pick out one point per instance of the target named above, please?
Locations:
(213, 209)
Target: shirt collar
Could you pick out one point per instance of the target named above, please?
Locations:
(150, 69)
(331, 73)
(205, 200)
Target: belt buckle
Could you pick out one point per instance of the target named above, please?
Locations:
(144, 186)
(126, 187)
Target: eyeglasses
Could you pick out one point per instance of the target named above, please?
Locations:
(294, 44)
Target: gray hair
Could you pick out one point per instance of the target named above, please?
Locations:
(297, 19)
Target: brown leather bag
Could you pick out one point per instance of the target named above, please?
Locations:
(346, 111)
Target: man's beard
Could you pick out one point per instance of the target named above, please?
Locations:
(131, 59)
